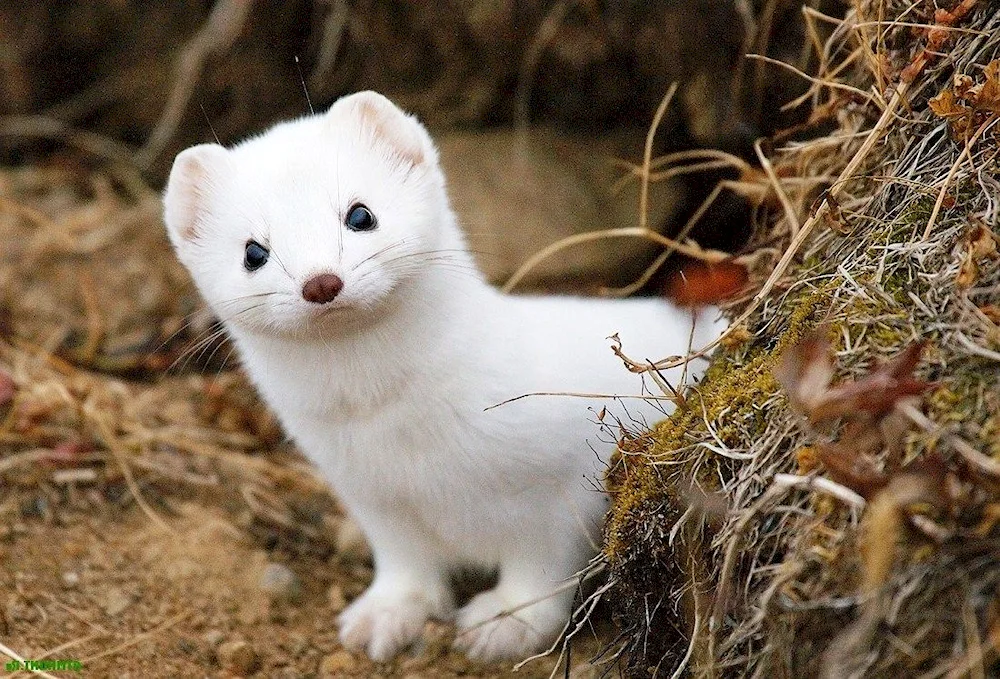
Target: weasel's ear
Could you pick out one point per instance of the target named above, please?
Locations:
(191, 180)
(388, 124)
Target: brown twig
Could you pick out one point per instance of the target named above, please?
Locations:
(217, 35)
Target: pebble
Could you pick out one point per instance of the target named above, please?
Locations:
(214, 637)
(280, 582)
(336, 664)
(351, 544)
(237, 656)
(338, 600)
(114, 601)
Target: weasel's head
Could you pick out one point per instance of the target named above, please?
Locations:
(316, 221)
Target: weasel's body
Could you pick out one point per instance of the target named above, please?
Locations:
(379, 346)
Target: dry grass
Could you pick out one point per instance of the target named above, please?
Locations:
(800, 574)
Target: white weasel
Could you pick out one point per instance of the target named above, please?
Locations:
(329, 249)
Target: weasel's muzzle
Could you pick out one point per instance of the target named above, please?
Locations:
(322, 289)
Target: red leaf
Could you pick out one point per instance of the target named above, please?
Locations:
(706, 283)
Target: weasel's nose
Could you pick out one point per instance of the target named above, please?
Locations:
(322, 289)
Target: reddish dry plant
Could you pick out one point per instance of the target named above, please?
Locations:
(968, 105)
(979, 243)
(866, 407)
(938, 36)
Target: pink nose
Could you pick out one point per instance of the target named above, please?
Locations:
(322, 288)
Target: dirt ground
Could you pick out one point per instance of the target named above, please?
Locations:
(153, 521)
(95, 580)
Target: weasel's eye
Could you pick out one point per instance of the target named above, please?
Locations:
(360, 218)
(255, 256)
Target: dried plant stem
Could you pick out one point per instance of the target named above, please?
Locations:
(790, 214)
(962, 157)
(980, 461)
(6, 650)
(121, 457)
(529, 63)
(817, 81)
(139, 638)
(633, 231)
(647, 155)
(800, 238)
(577, 394)
(217, 35)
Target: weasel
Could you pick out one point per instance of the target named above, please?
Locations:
(328, 248)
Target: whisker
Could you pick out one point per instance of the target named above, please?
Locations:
(201, 343)
(217, 330)
(382, 251)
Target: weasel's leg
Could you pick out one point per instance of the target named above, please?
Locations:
(494, 626)
(410, 586)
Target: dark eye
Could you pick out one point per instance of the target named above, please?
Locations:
(360, 218)
(255, 256)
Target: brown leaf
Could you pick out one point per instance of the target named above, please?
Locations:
(875, 394)
(847, 466)
(945, 105)
(7, 387)
(961, 84)
(834, 216)
(982, 242)
(885, 522)
(988, 95)
(968, 272)
(805, 370)
(808, 460)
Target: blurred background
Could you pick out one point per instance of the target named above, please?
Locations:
(532, 102)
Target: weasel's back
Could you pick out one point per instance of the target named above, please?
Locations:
(571, 345)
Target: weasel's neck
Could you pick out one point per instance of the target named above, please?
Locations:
(414, 337)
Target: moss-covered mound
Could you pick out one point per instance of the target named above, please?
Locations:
(747, 539)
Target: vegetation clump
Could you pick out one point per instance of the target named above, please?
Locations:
(751, 535)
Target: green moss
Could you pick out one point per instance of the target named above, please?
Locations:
(730, 397)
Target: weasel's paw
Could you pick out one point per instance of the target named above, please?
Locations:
(382, 623)
(484, 636)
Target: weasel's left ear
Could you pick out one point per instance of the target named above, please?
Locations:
(401, 132)
(191, 178)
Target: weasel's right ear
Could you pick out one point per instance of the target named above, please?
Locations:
(191, 180)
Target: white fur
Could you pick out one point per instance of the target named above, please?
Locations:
(386, 388)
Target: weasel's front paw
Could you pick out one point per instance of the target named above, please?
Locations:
(383, 622)
(484, 636)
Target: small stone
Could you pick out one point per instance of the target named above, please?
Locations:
(114, 601)
(336, 664)
(351, 544)
(338, 601)
(237, 656)
(70, 579)
(214, 637)
(280, 582)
